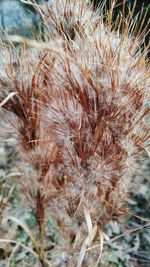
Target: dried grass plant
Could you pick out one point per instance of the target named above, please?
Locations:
(79, 103)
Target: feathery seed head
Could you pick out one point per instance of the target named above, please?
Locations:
(81, 119)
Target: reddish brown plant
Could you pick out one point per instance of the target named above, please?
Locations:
(80, 109)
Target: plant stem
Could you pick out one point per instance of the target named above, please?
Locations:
(41, 245)
(40, 215)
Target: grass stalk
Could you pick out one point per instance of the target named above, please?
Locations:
(40, 214)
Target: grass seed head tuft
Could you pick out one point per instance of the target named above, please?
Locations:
(79, 114)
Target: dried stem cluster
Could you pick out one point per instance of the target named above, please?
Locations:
(79, 114)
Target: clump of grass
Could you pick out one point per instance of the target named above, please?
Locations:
(79, 108)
